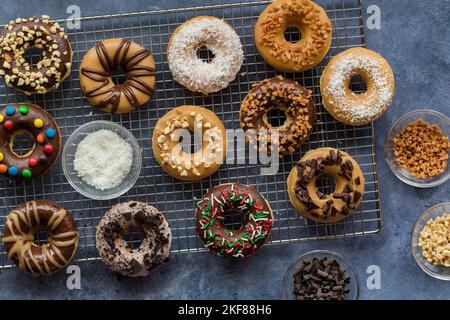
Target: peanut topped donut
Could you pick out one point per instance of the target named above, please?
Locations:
(357, 108)
(176, 157)
(29, 119)
(97, 68)
(114, 250)
(349, 185)
(311, 21)
(55, 66)
(19, 233)
(217, 36)
(285, 95)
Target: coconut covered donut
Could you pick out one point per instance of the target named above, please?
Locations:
(193, 73)
(357, 108)
(113, 249)
(349, 185)
(312, 22)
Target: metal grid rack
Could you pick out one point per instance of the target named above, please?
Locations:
(153, 29)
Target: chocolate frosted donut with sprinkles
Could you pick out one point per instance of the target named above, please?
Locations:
(232, 199)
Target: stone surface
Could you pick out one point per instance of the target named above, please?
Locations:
(414, 37)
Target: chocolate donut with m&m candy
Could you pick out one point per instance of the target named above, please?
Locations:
(232, 198)
(26, 118)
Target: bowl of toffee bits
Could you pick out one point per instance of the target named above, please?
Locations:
(417, 147)
(320, 275)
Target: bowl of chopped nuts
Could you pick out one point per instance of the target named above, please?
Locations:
(417, 146)
(430, 241)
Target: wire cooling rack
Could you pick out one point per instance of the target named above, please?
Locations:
(152, 29)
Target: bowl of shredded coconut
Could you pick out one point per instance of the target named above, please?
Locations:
(101, 160)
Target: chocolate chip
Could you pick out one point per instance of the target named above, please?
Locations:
(358, 180)
(349, 165)
(339, 195)
(356, 196)
(345, 211)
(338, 158)
(347, 176)
(333, 211)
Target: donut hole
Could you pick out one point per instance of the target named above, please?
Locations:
(40, 236)
(292, 34)
(233, 219)
(22, 143)
(189, 144)
(119, 76)
(133, 236)
(33, 55)
(204, 54)
(276, 117)
(357, 84)
(325, 184)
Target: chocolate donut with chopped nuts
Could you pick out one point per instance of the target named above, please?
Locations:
(113, 249)
(291, 98)
(55, 65)
(346, 196)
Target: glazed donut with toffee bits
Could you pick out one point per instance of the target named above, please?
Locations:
(357, 108)
(193, 73)
(50, 71)
(113, 249)
(312, 22)
(30, 119)
(349, 185)
(288, 96)
(173, 157)
(227, 199)
(98, 66)
(19, 232)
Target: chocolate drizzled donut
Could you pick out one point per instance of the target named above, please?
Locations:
(98, 66)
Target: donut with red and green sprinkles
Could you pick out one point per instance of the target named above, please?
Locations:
(233, 198)
(25, 118)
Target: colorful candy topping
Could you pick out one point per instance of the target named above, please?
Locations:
(8, 125)
(1, 156)
(50, 133)
(33, 162)
(1, 118)
(23, 109)
(3, 168)
(40, 139)
(26, 174)
(38, 123)
(48, 149)
(10, 111)
(13, 171)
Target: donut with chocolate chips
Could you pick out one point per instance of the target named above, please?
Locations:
(291, 98)
(55, 65)
(346, 196)
(114, 250)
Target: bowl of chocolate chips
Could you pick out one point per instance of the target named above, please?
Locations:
(320, 275)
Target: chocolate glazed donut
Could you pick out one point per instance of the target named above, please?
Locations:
(98, 66)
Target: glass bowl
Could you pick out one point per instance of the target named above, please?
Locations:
(430, 116)
(68, 156)
(438, 272)
(288, 278)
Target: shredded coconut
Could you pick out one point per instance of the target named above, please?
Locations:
(195, 74)
(103, 159)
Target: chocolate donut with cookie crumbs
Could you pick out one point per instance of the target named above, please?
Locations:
(55, 65)
(344, 199)
(287, 96)
(26, 118)
(113, 249)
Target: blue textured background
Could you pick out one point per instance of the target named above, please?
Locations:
(415, 38)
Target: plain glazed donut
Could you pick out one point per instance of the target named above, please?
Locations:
(19, 234)
(357, 108)
(312, 22)
(193, 73)
(168, 149)
(30, 119)
(114, 251)
(55, 66)
(98, 66)
(345, 198)
(231, 198)
(293, 99)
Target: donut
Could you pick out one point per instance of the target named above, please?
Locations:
(313, 24)
(173, 157)
(50, 71)
(19, 233)
(30, 119)
(349, 185)
(227, 199)
(98, 66)
(288, 96)
(357, 108)
(113, 249)
(193, 73)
